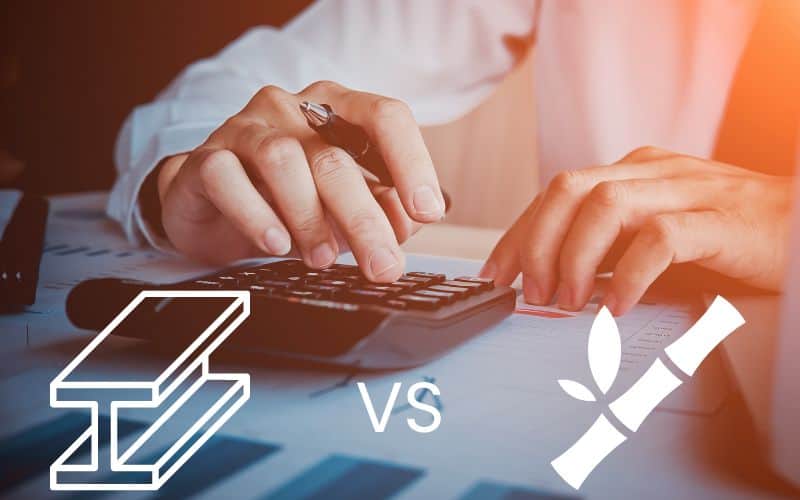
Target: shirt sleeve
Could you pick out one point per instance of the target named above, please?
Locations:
(442, 58)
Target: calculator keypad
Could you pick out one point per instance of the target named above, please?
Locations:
(291, 279)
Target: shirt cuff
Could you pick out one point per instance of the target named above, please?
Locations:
(123, 203)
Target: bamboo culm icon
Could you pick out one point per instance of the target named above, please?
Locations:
(684, 355)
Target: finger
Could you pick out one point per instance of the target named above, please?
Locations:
(279, 161)
(403, 225)
(653, 155)
(220, 178)
(646, 153)
(274, 107)
(391, 126)
(503, 263)
(347, 198)
(560, 202)
(663, 240)
(189, 218)
(611, 209)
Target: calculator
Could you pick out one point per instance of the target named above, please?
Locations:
(334, 315)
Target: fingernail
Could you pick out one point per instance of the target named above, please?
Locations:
(322, 255)
(381, 261)
(426, 203)
(277, 241)
(566, 298)
(610, 302)
(489, 270)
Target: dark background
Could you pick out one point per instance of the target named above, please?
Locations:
(71, 71)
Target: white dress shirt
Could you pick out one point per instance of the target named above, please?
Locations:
(610, 75)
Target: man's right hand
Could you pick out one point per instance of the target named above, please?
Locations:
(264, 183)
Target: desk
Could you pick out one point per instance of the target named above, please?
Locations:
(674, 455)
(718, 453)
(723, 448)
(452, 240)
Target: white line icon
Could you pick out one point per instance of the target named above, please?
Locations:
(634, 405)
(172, 389)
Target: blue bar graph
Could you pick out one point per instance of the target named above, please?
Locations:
(70, 251)
(220, 458)
(29, 453)
(340, 476)
(95, 253)
(486, 490)
(52, 248)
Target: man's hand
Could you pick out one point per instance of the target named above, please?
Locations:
(657, 208)
(264, 182)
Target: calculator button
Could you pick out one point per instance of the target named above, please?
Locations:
(292, 268)
(323, 290)
(334, 282)
(353, 278)
(366, 295)
(458, 291)
(344, 270)
(265, 272)
(245, 279)
(467, 285)
(444, 296)
(300, 294)
(475, 279)
(397, 304)
(486, 283)
(228, 281)
(261, 290)
(342, 283)
(385, 288)
(275, 283)
(430, 276)
(420, 302)
(206, 284)
(416, 279)
(405, 285)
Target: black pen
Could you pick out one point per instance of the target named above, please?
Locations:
(338, 132)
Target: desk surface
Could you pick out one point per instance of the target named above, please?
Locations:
(724, 446)
(451, 240)
(675, 455)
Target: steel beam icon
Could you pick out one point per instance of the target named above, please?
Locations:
(175, 387)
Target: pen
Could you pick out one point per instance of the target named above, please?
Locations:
(337, 131)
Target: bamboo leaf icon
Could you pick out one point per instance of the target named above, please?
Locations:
(576, 390)
(605, 350)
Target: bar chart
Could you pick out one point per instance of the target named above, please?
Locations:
(28, 454)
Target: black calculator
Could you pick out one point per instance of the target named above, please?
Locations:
(333, 315)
